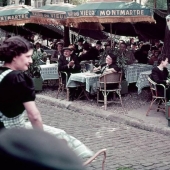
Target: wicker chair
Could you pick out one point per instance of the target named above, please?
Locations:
(104, 80)
(155, 96)
(62, 84)
(102, 151)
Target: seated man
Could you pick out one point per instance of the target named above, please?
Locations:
(154, 58)
(127, 54)
(69, 63)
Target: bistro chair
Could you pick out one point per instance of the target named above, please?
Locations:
(102, 151)
(63, 83)
(155, 97)
(107, 79)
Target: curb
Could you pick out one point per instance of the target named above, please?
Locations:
(102, 114)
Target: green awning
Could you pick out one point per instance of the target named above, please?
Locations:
(50, 14)
(110, 12)
(15, 15)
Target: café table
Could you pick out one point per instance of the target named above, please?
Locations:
(49, 71)
(133, 71)
(143, 80)
(87, 78)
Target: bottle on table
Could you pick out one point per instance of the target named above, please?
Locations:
(47, 61)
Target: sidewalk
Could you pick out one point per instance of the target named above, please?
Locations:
(155, 122)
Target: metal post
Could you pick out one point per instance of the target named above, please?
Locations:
(168, 5)
(155, 4)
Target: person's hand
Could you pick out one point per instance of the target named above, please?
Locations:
(113, 70)
(71, 63)
(168, 82)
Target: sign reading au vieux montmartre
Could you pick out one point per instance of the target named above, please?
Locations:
(14, 17)
(102, 13)
(51, 15)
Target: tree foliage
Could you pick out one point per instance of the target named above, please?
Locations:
(3, 2)
(160, 4)
(77, 2)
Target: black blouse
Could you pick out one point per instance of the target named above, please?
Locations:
(159, 76)
(16, 88)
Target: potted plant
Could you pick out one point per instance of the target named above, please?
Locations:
(34, 71)
(122, 64)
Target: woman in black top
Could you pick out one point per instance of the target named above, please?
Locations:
(16, 88)
(160, 76)
(109, 66)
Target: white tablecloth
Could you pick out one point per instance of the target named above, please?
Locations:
(133, 71)
(88, 78)
(49, 72)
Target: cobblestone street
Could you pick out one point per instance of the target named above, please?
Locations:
(126, 146)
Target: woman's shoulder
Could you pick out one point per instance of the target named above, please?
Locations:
(19, 77)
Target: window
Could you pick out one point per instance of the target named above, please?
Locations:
(38, 4)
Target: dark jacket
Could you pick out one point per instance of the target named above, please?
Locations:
(62, 65)
(159, 77)
(141, 57)
(92, 54)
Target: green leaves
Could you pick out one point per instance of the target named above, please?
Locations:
(34, 68)
(160, 4)
(77, 2)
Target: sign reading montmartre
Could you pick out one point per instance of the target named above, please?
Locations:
(51, 15)
(14, 17)
(102, 13)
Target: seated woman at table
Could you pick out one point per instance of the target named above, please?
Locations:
(160, 76)
(109, 66)
(57, 53)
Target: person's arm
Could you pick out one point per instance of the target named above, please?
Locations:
(33, 114)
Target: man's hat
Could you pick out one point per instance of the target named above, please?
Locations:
(99, 43)
(67, 48)
(60, 43)
(80, 40)
(35, 149)
(154, 48)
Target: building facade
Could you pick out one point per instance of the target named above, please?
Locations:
(35, 3)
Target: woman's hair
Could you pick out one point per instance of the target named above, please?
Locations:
(161, 58)
(12, 47)
(113, 57)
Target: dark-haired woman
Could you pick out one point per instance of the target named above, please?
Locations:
(160, 76)
(109, 67)
(16, 88)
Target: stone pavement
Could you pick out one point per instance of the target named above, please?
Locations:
(155, 122)
(126, 146)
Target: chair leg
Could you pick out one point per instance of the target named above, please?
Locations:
(105, 101)
(121, 102)
(68, 94)
(159, 105)
(153, 100)
(58, 91)
(97, 97)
